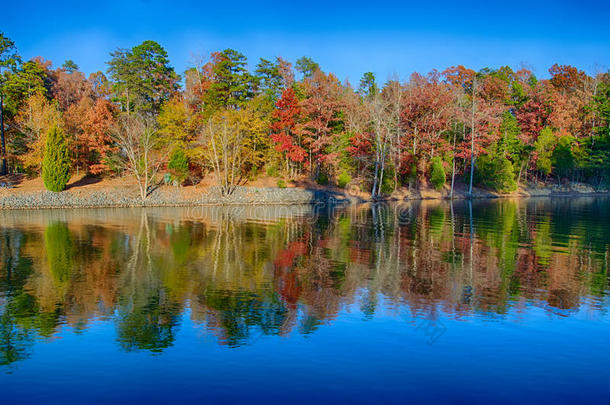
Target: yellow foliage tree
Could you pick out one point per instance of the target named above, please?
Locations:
(254, 122)
(178, 125)
(34, 121)
(234, 142)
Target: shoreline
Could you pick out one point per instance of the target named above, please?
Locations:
(167, 196)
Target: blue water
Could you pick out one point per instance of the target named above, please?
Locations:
(372, 310)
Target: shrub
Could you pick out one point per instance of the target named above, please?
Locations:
(544, 146)
(253, 173)
(496, 173)
(272, 171)
(387, 184)
(563, 156)
(56, 161)
(322, 179)
(178, 165)
(437, 173)
(281, 183)
(344, 179)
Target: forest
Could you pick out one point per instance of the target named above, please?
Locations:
(498, 129)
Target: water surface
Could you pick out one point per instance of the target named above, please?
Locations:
(499, 301)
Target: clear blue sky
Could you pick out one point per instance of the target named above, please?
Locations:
(345, 37)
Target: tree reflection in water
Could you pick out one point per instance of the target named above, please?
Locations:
(249, 272)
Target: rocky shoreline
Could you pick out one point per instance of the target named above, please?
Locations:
(163, 197)
(173, 197)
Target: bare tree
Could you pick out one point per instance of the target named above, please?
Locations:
(138, 140)
(374, 117)
(380, 126)
(393, 92)
(225, 140)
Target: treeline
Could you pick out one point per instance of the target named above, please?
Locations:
(496, 128)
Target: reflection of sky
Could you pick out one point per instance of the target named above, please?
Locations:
(347, 38)
(533, 356)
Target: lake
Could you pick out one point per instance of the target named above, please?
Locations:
(503, 301)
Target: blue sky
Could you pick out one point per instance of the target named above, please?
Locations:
(345, 37)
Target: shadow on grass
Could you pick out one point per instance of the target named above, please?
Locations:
(11, 180)
(85, 181)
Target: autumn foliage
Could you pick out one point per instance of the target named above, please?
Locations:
(459, 124)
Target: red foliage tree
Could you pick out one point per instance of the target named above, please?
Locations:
(284, 127)
(321, 110)
(534, 114)
(95, 142)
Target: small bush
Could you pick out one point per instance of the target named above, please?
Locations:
(544, 146)
(437, 173)
(281, 183)
(253, 173)
(388, 185)
(496, 173)
(272, 171)
(563, 156)
(178, 165)
(322, 179)
(56, 161)
(344, 179)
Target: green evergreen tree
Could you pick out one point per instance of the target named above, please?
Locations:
(269, 79)
(437, 174)
(69, 66)
(56, 161)
(233, 85)
(563, 156)
(306, 66)
(368, 85)
(496, 172)
(9, 60)
(544, 146)
(143, 78)
(178, 165)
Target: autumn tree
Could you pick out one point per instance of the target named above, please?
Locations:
(425, 117)
(253, 120)
(34, 122)
(379, 130)
(70, 88)
(322, 125)
(178, 124)
(284, 130)
(138, 141)
(225, 153)
(486, 111)
(96, 144)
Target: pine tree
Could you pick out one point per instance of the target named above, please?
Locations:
(56, 161)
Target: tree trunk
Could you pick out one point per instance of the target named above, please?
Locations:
(381, 174)
(375, 176)
(453, 167)
(3, 168)
(472, 135)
